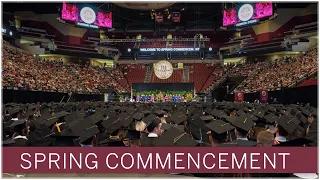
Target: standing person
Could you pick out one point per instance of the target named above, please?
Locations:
(152, 98)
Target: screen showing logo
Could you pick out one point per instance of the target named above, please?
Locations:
(245, 12)
(88, 15)
(163, 69)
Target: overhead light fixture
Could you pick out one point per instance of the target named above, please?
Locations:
(129, 50)
(210, 48)
(182, 9)
(10, 33)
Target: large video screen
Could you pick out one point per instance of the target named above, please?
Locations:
(86, 16)
(247, 13)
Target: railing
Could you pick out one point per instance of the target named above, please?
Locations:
(303, 78)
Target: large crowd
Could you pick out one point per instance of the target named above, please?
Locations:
(265, 74)
(161, 125)
(280, 73)
(21, 70)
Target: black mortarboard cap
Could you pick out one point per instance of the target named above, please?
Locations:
(130, 110)
(14, 110)
(250, 116)
(96, 117)
(160, 112)
(174, 137)
(271, 118)
(41, 137)
(74, 116)
(153, 124)
(219, 113)
(48, 121)
(301, 117)
(167, 126)
(288, 123)
(207, 118)
(243, 122)
(112, 124)
(259, 113)
(240, 112)
(88, 132)
(18, 122)
(305, 112)
(146, 112)
(138, 116)
(177, 118)
(207, 110)
(219, 126)
(231, 119)
(147, 120)
(126, 120)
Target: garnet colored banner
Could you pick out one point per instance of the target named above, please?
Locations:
(263, 96)
(176, 16)
(238, 96)
(158, 17)
(160, 160)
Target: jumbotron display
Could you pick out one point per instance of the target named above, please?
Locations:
(246, 14)
(85, 16)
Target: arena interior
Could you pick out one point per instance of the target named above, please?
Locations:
(140, 74)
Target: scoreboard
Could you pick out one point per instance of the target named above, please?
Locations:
(247, 14)
(85, 16)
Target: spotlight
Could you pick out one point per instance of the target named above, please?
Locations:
(10, 33)
(129, 50)
(210, 49)
(202, 58)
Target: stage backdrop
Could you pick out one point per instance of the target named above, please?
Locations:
(139, 87)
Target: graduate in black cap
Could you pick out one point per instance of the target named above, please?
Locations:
(20, 132)
(154, 128)
(243, 125)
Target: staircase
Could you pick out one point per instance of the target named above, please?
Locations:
(148, 74)
(186, 75)
(227, 87)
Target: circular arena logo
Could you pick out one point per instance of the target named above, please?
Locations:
(163, 69)
(245, 12)
(239, 95)
(87, 15)
(263, 93)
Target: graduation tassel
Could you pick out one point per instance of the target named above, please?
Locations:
(245, 120)
(58, 127)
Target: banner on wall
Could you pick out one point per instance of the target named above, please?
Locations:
(263, 96)
(238, 96)
(159, 17)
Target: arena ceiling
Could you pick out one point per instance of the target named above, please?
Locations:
(193, 15)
